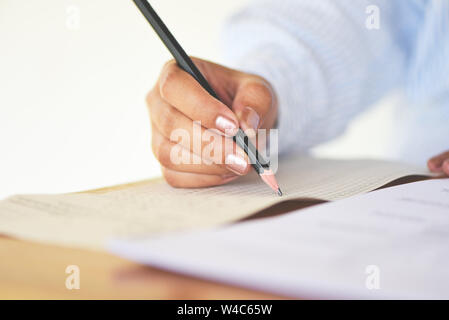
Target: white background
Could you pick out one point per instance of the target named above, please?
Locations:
(72, 111)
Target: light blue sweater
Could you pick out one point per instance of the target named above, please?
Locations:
(326, 65)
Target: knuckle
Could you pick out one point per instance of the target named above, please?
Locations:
(170, 178)
(164, 156)
(260, 92)
(207, 110)
(165, 120)
(161, 150)
(151, 97)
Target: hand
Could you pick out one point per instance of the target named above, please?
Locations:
(440, 163)
(177, 100)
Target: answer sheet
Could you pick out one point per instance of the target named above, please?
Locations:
(151, 207)
(391, 243)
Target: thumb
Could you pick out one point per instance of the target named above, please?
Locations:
(253, 104)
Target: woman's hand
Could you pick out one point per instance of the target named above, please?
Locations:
(440, 163)
(179, 106)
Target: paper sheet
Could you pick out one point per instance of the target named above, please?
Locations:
(89, 219)
(391, 243)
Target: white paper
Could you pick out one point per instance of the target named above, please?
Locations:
(391, 243)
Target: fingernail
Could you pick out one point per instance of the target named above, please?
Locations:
(236, 164)
(225, 125)
(251, 118)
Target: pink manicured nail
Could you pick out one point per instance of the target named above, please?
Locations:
(252, 118)
(225, 125)
(236, 164)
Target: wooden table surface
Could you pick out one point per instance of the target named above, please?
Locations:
(37, 271)
(31, 270)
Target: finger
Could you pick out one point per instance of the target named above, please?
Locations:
(445, 167)
(175, 157)
(253, 103)
(179, 129)
(179, 179)
(183, 92)
(435, 164)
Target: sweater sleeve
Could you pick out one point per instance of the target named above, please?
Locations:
(323, 61)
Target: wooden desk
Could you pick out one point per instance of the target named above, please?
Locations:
(31, 270)
(36, 271)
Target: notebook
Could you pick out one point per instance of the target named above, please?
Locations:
(89, 219)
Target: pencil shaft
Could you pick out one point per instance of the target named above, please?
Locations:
(172, 45)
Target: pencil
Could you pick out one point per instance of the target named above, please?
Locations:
(261, 166)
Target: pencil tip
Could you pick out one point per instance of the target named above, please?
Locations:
(268, 177)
